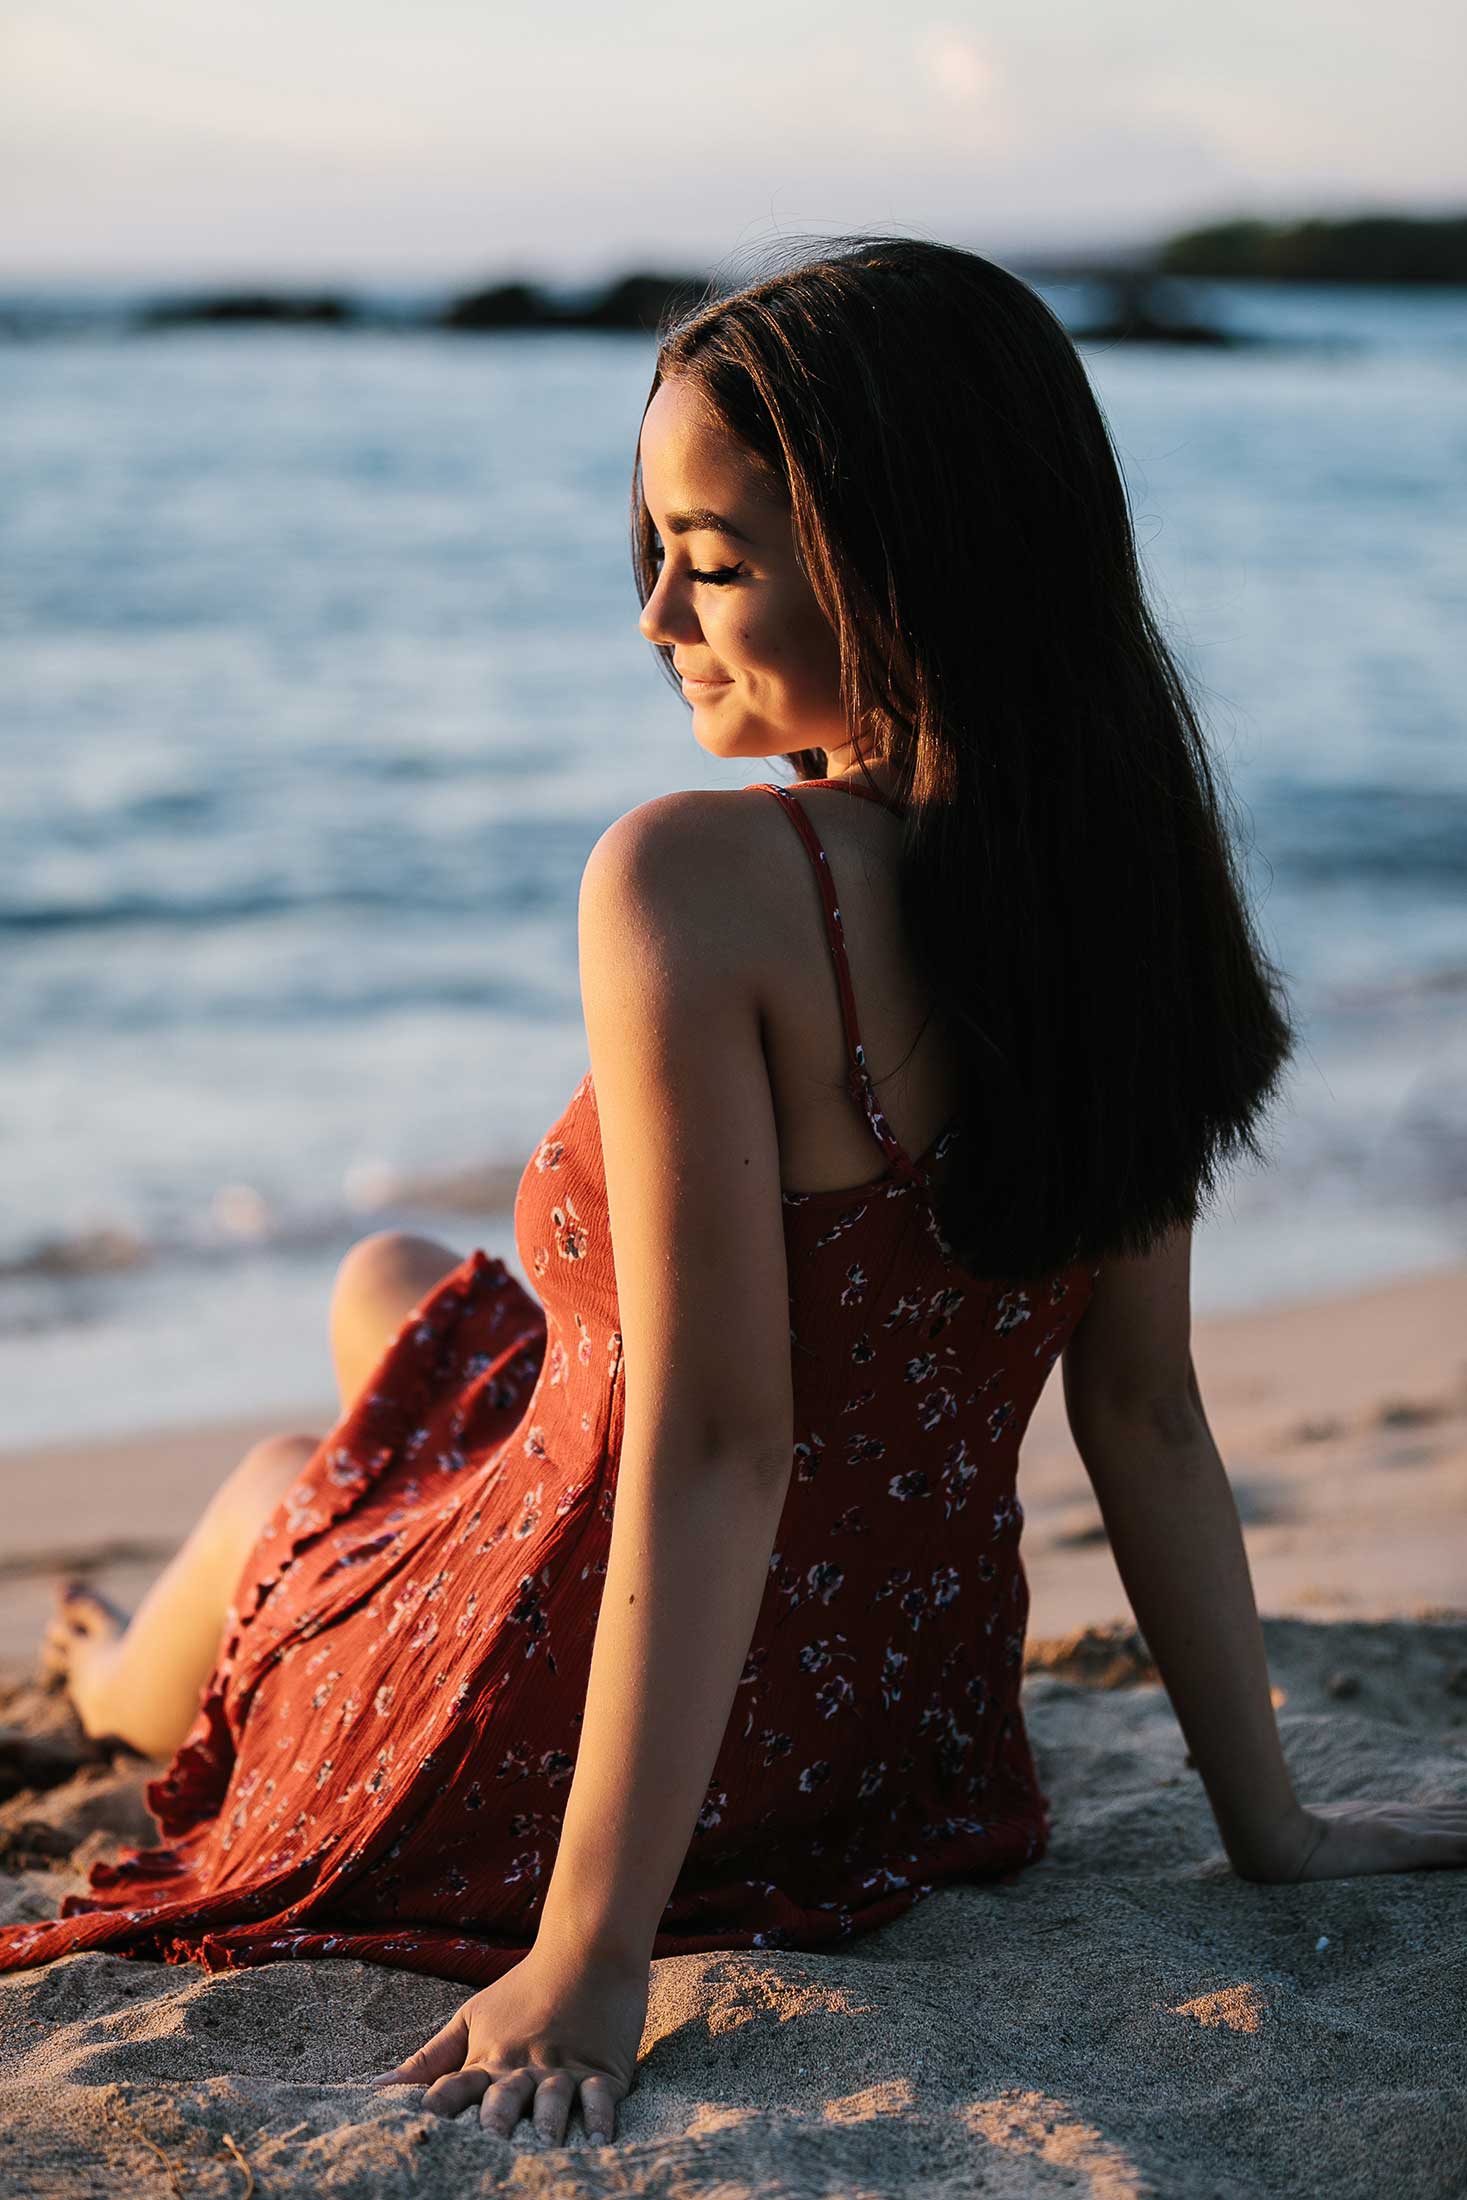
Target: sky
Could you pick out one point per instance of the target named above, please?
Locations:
(468, 140)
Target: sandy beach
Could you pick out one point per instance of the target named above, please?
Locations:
(1127, 2019)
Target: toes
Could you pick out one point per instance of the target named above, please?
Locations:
(86, 1611)
(82, 1621)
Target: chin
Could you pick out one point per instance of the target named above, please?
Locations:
(760, 743)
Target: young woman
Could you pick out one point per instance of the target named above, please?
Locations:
(679, 1605)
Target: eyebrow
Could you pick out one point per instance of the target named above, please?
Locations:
(711, 523)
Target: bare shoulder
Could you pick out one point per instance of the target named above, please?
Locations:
(1130, 1356)
(693, 869)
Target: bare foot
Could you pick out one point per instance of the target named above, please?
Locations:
(79, 1650)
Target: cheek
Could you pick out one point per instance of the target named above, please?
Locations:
(778, 642)
(790, 644)
(810, 654)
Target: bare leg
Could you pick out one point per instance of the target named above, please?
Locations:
(378, 1284)
(139, 1681)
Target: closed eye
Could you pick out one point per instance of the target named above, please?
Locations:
(718, 578)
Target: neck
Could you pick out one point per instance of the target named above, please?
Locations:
(878, 778)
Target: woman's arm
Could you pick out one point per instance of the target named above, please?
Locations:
(689, 1559)
(1138, 1419)
(670, 961)
(1139, 1424)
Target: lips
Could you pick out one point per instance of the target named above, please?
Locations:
(699, 679)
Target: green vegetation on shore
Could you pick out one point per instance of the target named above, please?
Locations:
(1366, 248)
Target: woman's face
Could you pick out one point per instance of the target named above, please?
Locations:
(731, 599)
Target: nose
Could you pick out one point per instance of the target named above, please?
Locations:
(668, 616)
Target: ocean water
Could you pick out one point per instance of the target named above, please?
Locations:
(322, 676)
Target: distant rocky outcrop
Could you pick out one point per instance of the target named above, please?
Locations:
(1142, 298)
(1367, 248)
(1144, 308)
(642, 302)
(504, 305)
(247, 305)
(639, 303)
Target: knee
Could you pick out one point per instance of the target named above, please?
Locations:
(261, 1479)
(380, 1281)
(392, 1267)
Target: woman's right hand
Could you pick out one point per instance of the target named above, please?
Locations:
(1347, 1839)
(553, 2029)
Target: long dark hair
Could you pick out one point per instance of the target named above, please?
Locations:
(1068, 876)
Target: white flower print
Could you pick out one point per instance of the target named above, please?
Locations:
(838, 1229)
(938, 1405)
(825, 1579)
(1012, 1308)
(1007, 1513)
(710, 1814)
(914, 1603)
(807, 1456)
(570, 1232)
(372, 1687)
(958, 1471)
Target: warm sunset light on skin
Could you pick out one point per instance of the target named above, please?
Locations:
(735, 609)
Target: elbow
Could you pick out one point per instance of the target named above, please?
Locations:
(759, 1452)
(1169, 1421)
(764, 1457)
(1164, 1415)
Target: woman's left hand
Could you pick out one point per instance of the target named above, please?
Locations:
(551, 2028)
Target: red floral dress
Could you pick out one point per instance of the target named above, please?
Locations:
(381, 1756)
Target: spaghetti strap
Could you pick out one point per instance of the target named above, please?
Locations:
(858, 1077)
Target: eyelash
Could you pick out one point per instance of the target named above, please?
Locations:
(718, 579)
